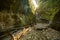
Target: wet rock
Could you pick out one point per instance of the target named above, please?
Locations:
(41, 26)
(48, 34)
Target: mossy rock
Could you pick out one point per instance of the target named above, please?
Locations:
(56, 21)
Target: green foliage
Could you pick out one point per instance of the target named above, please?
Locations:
(48, 8)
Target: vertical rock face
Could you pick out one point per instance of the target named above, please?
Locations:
(14, 13)
(6, 21)
(56, 21)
